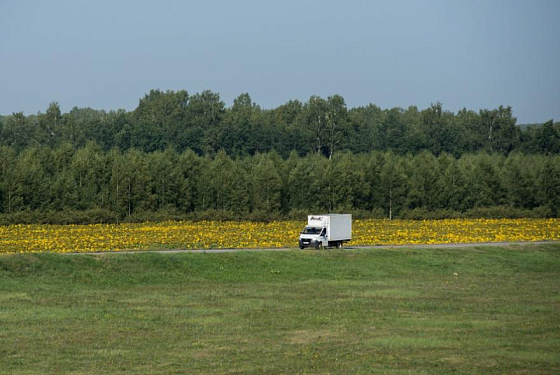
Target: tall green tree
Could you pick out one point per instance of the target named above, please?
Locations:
(190, 167)
(166, 179)
(335, 123)
(31, 181)
(64, 192)
(499, 125)
(548, 139)
(316, 122)
(131, 173)
(393, 183)
(290, 132)
(238, 135)
(8, 180)
(266, 185)
(204, 115)
(549, 185)
(346, 183)
(473, 133)
(87, 168)
(394, 132)
(424, 182)
(17, 131)
(161, 114)
(441, 134)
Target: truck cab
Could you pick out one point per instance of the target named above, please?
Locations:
(313, 237)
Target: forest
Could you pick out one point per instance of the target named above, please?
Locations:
(188, 156)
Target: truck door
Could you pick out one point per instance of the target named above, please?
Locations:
(323, 237)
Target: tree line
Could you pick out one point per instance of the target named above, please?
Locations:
(69, 184)
(201, 122)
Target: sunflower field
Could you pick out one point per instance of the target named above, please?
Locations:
(214, 234)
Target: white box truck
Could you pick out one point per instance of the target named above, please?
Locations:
(326, 231)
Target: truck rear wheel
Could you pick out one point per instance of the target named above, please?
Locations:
(339, 245)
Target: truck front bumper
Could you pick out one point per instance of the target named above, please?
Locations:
(306, 242)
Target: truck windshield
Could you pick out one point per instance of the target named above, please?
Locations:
(311, 230)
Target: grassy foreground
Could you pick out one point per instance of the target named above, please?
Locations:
(423, 311)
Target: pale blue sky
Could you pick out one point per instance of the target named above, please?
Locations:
(108, 54)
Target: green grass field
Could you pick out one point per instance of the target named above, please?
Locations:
(483, 310)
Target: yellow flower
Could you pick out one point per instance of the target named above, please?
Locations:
(211, 234)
